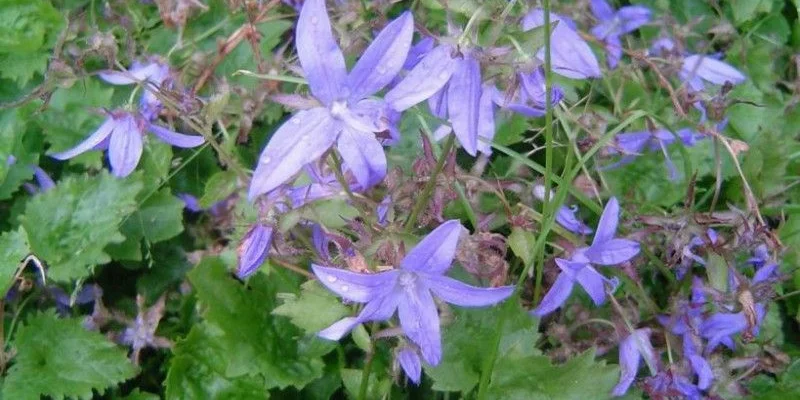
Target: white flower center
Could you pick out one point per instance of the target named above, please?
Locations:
(407, 279)
(338, 109)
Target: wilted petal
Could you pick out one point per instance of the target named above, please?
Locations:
(486, 128)
(253, 249)
(94, 140)
(434, 253)
(607, 226)
(764, 273)
(420, 320)
(363, 155)
(612, 252)
(601, 9)
(567, 219)
(463, 100)
(629, 364)
(382, 210)
(125, 147)
(354, 286)
(427, 78)
(709, 69)
(300, 140)
(411, 364)
(320, 56)
(557, 295)
(383, 59)
(175, 138)
(570, 55)
(461, 294)
(593, 283)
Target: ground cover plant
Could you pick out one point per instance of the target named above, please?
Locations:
(251, 199)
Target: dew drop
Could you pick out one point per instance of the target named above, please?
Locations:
(443, 75)
(332, 279)
(296, 121)
(266, 160)
(381, 70)
(314, 20)
(345, 288)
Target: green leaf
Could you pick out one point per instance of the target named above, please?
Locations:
(70, 225)
(159, 218)
(534, 377)
(521, 242)
(351, 378)
(13, 248)
(313, 310)
(256, 341)
(746, 10)
(461, 366)
(717, 270)
(786, 387)
(197, 370)
(59, 358)
(218, 187)
(27, 31)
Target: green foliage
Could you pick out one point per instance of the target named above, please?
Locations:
(313, 310)
(787, 386)
(159, 217)
(59, 358)
(254, 341)
(13, 248)
(28, 29)
(69, 226)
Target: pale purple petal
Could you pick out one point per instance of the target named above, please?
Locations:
(125, 147)
(612, 252)
(425, 79)
(418, 51)
(567, 219)
(593, 283)
(253, 249)
(629, 358)
(438, 103)
(601, 9)
(719, 327)
(463, 100)
(461, 294)
(570, 55)
(613, 51)
(320, 56)
(607, 226)
(383, 59)
(486, 128)
(43, 179)
(558, 294)
(411, 364)
(339, 328)
(633, 17)
(175, 138)
(420, 321)
(135, 74)
(379, 309)
(300, 140)
(357, 287)
(764, 273)
(711, 70)
(703, 370)
(382, 210)
(95, 139)
(434, 253)
(363, 155)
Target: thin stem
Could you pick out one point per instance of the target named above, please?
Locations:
(428, 189)
(362, 390)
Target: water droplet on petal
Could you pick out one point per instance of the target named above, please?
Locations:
(443, 75)
(314, 20)
(345, 288)
(296, 121)
(266, 160)
(381, 70)
(332, 279)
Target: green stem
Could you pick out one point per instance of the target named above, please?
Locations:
(364, 386)
(428, 189)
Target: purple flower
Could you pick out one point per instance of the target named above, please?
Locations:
(631, 350)
(383, 210)
(347, 116)
(613, 24)
(122, 134)
(632, 144)
(253, 249)
(153, 74)
(529, 98)
(720, 327)
(410, 362)
(668, 384)
(698, 68)
(570, 55)
(43, 180)
(409, 290)
(605, 250)
(565, 216)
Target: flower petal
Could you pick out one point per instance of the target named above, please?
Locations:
(486, 128)
(567, 219)
(378, 309)
(363, 155)
(461, 294)
(411, 364)
(420, 321)
(607, 226)
(339, 328)
(556, 296)
(91, 142)
(320, 56)
(383, 59)
(253, 249)
(125, 147)
(593, 283)
(425, 79)
(629, 358)
(354, 286)
(463, 100)
(601, 9)
(434, 253)
(300, 140)
(703, 370)
(633, 17)
(709, 69)
(44, 180)
(570, 55)
(612, 252)
(175, 138)
(135, 74)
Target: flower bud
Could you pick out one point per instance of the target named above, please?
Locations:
(253, 249)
